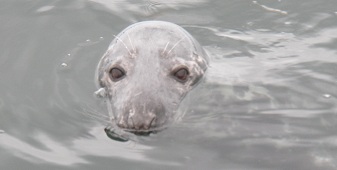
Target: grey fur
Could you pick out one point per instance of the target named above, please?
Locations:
(148, 96)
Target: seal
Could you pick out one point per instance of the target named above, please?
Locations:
(147, 70)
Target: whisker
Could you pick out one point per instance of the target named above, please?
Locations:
(95, 115)
(133, 47)
(90, 111)
(176, 44)
(111, 114)
(166, 47)
(123, 43)
(94, 112)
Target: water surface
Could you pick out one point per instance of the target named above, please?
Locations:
(268, 101)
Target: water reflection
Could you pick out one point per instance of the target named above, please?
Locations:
(145, 7)
(49, 150)
(268, 102)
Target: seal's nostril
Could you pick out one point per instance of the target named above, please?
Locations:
(121, 122)
(138, 121)
(131, 122)
(149, 123)
(136, 124)
(153, 122)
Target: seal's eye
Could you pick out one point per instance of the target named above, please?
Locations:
(116, 74)
(181, 75)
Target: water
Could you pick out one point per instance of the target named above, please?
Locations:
(268, 102)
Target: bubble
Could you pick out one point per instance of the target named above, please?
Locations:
(327, 95)
(100, 92)
(64, 64)
(44, 9)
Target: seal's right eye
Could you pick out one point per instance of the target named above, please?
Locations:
(181, 75)
(116, 74)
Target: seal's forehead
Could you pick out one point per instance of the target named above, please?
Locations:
(154, 34)
(154, 39)
(158, 38)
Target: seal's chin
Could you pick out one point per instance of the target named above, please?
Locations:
(145, 132)
(124, 135)
(141, 133)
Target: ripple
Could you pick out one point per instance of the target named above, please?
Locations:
(45, 9)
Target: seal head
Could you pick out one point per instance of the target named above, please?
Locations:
(146, 72)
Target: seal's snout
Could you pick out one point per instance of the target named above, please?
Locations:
(142, 117)
(138, 122)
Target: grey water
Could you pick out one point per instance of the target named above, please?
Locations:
(268, 100)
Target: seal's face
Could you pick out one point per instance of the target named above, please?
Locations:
(146, 72)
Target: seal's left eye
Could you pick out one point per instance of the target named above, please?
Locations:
(181, 75)
(116, 74)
